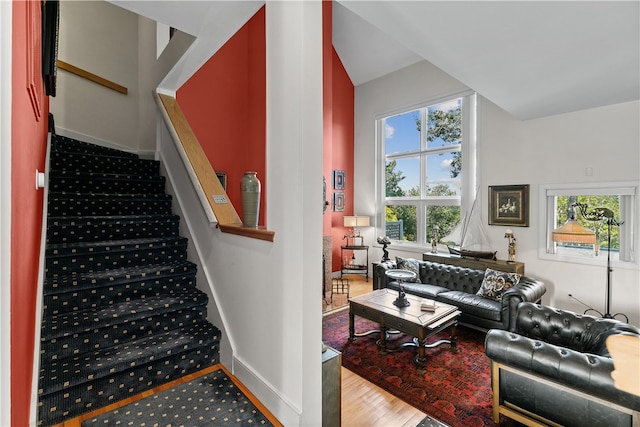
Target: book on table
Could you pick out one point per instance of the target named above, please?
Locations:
(428, 305)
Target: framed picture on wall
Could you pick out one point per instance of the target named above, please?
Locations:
(338, 202)
(509, 205)
(338, 180)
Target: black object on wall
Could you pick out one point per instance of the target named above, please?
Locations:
(50, 20)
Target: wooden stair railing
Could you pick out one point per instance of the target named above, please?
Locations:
(227, 218)
(92, 77)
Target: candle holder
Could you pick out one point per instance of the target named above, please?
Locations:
(401, 276)
(512, 246)
(434, 239)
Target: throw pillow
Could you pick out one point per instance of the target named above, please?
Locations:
(496, 283)
(410, 265)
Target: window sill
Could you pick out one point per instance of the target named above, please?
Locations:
(599, 261)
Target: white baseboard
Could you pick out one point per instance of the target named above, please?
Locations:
(285, 411)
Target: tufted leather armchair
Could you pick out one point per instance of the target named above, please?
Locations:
(554, 369)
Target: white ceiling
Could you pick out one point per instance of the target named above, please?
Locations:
(531, 58)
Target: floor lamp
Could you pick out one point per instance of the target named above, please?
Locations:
(573, 232)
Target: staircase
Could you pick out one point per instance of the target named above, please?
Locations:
(121, 313)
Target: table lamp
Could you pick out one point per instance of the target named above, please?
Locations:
(353, 222)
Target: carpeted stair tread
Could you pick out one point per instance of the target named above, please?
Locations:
(92, 197)
(102, 163)
(73, 401)
(63, 259)
(77, 294)
(72, 295)
(57, 374)
(100, 228)
(105, 182)
(70, 323)
(72, 145)
(135, 329)
(112, 246)
(98, 279)
(79, 204)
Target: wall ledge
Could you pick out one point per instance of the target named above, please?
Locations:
(204, 177)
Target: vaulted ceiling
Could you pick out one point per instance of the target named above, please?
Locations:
(531, 58)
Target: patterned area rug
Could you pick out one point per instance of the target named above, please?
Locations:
(455, 387)
(213, 399)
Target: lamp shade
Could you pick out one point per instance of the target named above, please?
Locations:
(573, 232)
(356, 221)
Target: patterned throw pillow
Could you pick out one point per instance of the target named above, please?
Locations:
(409, 264)
(496, 283)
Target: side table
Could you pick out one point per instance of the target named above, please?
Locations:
(354, 268)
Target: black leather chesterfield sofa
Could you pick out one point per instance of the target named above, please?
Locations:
(554, 369)
(458, 286)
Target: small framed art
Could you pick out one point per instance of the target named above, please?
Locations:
(338, 202)
(338, 180)
(509, 205)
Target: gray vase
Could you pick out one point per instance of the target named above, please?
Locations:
(250, 189)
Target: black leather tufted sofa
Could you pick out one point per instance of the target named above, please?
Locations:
(554, 369)
(458, 286)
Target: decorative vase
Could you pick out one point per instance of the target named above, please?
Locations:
(250, 188)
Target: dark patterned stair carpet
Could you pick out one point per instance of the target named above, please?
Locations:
(78, 204)
(213, 397)
(121, 310)
(115, 253)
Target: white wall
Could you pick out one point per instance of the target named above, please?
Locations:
(268, 294)
(558, 149)
(120, 46)
(6, 22)
(103, 39)
(511, 151)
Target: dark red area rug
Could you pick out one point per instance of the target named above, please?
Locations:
(455, 387)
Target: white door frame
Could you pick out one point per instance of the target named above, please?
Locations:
(6, 18)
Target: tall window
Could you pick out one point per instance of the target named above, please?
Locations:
(426, 167)
(559, 203)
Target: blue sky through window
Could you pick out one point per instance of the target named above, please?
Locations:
(402, 135)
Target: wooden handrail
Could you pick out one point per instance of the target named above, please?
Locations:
(226, 215)
(92, 77)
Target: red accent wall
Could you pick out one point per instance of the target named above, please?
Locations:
(225, 104)
(327, 101)
(342, 134)
(28, 146)
(338, 137)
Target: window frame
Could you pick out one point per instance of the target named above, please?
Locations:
(629, 237)
(469, 114)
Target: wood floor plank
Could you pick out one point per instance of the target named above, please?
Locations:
(365, 404)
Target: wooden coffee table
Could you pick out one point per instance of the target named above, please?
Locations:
(378, 307)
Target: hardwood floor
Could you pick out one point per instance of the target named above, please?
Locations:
(364, 403)
(337, 299)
